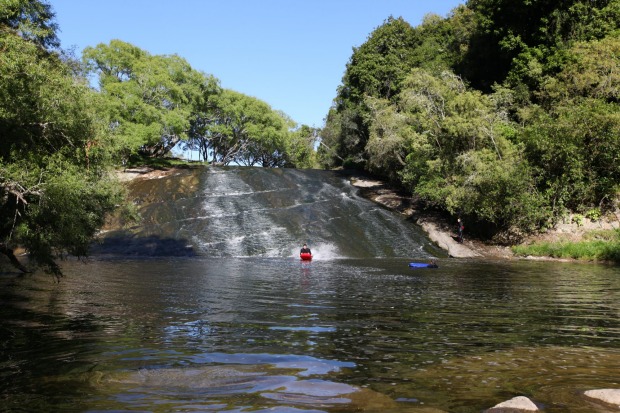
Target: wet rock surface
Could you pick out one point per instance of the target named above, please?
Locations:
(610, 397)
(517, 404)
(435, 226)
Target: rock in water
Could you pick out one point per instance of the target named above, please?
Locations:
(515, 405)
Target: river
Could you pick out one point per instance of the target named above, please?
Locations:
(240, 324)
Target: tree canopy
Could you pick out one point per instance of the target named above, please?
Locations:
(54, 186)
(503, 111)
(245, 130)
(150, 99)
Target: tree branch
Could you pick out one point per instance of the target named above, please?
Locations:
(11, 255)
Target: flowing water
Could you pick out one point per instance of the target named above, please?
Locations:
(206, 308)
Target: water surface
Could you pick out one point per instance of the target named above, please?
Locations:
(207, 334)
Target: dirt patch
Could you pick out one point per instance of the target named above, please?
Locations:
(144, 172)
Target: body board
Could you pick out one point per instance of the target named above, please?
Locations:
(421, 265)
(305, 256)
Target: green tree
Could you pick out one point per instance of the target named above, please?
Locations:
(390, 137)
(452, 147)
(327, 152)
(375, 69)
(576, 153)
(32, 20)
(239, 128)
(54, 185)
(572, 138)
(524, 40)
(300, 152)
(150, 99)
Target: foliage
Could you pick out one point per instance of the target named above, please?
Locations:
(154, 103)
(241, 129)
(31, 20)
(450, 146)
(594, 214)
(54, 190)
(327, 153)
(375, 69)
(300, 151)
(149, 99)
(575, 152)
(572, 138)
(605, 246)
(505, 111)
(522, 40)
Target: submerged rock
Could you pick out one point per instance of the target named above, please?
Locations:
(518, 404)
(265, 386)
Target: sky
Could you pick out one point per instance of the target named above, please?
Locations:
(291, 54)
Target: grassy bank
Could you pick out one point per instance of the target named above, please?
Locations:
(603, 245)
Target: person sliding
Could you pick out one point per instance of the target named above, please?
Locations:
(305, 253)
(305, 250)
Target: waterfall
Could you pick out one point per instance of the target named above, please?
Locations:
(265, 212)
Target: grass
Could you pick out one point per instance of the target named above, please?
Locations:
(603, 245)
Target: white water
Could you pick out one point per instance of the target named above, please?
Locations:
(260, 212)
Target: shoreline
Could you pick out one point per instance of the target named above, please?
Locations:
(437, 229)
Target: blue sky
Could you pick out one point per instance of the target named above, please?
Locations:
(289, 53)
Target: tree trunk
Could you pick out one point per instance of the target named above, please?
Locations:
(9, 253)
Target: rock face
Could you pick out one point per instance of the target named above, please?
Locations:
(445, 241)
(607, 396)
(378, 192)
(520, 404)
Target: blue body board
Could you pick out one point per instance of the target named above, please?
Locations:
(421, 265)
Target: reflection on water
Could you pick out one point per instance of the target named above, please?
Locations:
(276, 334)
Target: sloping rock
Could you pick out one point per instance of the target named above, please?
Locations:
(520, 404)
(445, 241)
(608, 396)
(380, 193)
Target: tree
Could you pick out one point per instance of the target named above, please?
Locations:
(390, 136)
(54, 185)
(506, 110)
(242, 129)
(572, 137)
(523, 40)
(376, 69)
(151, 99)
(32, 20)
(451, 146)
(300, 152)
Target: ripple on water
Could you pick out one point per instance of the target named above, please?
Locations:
(215, 384)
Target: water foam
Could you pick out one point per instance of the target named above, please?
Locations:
(320, 251)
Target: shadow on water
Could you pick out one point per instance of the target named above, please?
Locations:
(126, 243)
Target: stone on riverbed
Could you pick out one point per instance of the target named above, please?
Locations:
(518, 404)
(607, 396)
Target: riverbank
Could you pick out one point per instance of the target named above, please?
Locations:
(442, 232)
